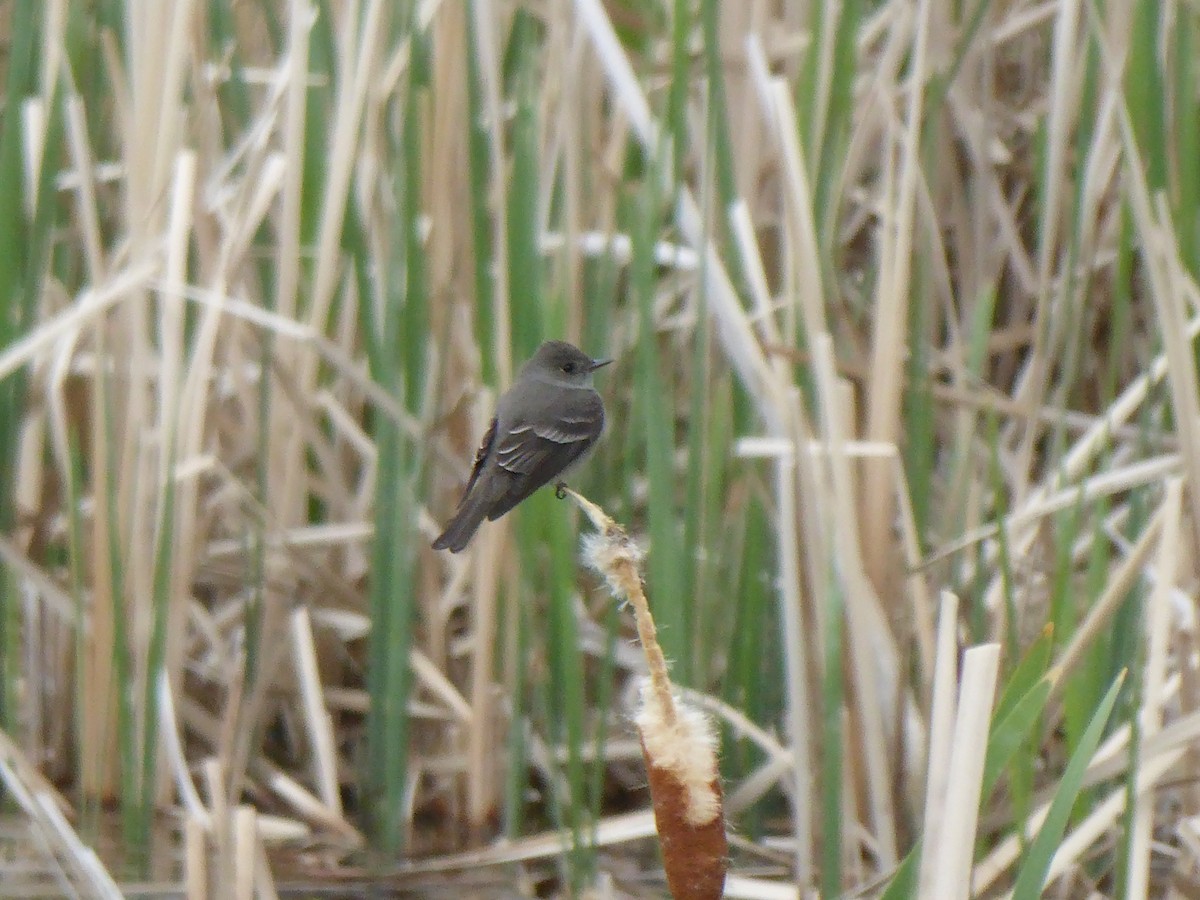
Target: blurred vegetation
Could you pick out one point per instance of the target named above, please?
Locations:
(903, 301)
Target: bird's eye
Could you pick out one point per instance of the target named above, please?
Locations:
(568, 367)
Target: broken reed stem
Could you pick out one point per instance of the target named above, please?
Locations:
(625, 578)
(660, 682)
(623, 573)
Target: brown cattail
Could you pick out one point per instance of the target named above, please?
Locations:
(678, 742)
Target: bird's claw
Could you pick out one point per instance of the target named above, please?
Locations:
(560, 490)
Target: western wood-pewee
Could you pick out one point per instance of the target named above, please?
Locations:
(547, 420)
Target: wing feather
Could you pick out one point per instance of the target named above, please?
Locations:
(481, 456)
(536, 452)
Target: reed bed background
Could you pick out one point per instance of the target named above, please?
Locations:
(903, 300)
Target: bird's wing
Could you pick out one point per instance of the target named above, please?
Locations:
(536, 452)
(526, 448)
(481, 456)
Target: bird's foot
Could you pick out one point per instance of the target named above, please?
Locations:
(560, 490)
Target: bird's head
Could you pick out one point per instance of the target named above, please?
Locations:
(564, 363)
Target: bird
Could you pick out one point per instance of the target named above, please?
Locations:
(545, 422)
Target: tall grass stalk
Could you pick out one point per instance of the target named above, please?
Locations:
(398, 332)
(24, 236)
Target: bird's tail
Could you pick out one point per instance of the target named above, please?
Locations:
(462, 527)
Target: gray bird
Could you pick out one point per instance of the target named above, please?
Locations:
(547, 420)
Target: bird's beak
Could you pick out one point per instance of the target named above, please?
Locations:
(599, 364)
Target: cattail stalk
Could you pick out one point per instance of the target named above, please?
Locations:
(678, 741)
